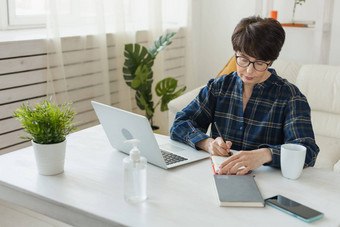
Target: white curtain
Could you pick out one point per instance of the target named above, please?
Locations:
(86, 46)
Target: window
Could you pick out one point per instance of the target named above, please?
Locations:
(25, 12)
(32, 13)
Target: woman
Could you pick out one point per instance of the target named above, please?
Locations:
(255, 109)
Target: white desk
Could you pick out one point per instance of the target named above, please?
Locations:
(90, 191)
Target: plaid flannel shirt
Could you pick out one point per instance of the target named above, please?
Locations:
(276, 113)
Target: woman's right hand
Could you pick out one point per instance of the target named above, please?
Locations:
(215, 146)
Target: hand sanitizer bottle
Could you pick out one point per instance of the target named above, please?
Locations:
(134, 174)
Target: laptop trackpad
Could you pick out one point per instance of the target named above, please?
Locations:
(170, 147)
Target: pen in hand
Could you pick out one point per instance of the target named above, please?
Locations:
(220, 135)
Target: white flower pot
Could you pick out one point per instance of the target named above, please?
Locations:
(50, 157)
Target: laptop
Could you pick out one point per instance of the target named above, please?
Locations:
(120, 125)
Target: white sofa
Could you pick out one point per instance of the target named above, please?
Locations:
(321, 85)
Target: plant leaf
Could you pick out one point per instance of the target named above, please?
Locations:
(166, 86)
(168, 97)
(141, 77)
(46, 122)
(166, 90)
(144, 102)
(135, 55)
(161, 43)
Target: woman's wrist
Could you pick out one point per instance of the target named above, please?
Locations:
(204, 144)
(267, 157)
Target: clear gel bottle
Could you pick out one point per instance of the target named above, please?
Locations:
(134, 175)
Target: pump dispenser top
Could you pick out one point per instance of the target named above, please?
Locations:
(134, 153)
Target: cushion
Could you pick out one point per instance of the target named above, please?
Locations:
(229, 67)
(286, 69)
(337, 167)
(326, 123)
(329, 153)
(179, 103)
(321, 85)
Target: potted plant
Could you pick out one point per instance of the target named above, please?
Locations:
(138, 75)
(47, 125)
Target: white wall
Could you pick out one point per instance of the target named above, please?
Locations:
(214, 22)
(334, 56)
(305, 45)
(217, 19)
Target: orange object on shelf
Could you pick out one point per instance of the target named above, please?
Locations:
(273, 14)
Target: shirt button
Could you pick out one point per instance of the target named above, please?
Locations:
(241, 128)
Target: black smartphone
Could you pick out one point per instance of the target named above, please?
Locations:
(293, 208)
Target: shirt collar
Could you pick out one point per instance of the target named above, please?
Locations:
(272, 79)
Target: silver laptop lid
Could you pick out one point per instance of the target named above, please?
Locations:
(120, 125)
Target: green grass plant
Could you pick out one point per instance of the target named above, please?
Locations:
(46, 122)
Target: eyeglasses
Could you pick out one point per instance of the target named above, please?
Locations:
(258, 65)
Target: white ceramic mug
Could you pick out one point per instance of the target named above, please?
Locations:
(292, 160)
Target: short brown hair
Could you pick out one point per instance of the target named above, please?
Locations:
(260, 38)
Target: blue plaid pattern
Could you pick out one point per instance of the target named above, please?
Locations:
(276, 113)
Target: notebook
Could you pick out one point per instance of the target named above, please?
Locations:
(120, 125)
(238, 191)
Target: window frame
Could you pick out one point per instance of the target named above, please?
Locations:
(3, 15)
(9, 20)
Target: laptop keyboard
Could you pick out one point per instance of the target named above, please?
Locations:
(171, 158)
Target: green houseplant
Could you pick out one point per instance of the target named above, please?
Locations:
(47, 125)
(138, 75)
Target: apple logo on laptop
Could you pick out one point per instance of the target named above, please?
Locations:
(127, 134)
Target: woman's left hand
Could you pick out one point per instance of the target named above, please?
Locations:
(246, 160)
